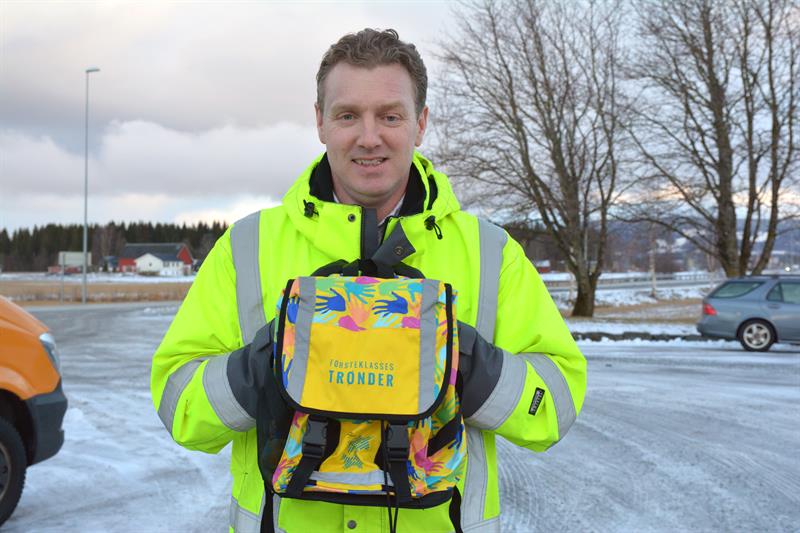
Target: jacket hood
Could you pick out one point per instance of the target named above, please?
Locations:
(311, 210)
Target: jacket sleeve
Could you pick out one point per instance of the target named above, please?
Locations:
(529, 384)
(202, 377)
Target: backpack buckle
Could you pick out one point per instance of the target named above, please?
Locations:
(314, 438)
(397, 443)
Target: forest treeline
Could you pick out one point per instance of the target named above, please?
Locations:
(34, 250)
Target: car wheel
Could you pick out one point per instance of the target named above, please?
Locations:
(756, 336)
(13, 463)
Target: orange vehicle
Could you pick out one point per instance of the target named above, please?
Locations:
(32, 404)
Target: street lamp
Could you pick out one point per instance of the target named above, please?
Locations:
(86, 187)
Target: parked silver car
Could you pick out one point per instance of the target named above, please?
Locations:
(757, 310)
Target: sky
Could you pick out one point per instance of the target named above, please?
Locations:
(200, 111)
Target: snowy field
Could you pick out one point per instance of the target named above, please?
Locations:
(613, 296)
(93, 277)
(674, 436)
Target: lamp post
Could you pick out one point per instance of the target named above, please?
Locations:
(86, 187)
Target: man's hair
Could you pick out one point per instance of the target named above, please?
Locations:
(371, 48)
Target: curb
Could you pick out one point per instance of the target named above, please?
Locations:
(635, 335)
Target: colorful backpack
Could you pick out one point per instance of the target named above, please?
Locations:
(369, 367)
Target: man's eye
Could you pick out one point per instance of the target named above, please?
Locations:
(392, 118)
(347, 116)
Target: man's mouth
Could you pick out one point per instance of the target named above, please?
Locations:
(373, 162)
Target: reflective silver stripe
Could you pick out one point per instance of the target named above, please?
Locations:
(505, 396)
(489, 526)
(492, 240)
(302, 336)
(176, 383)
(244, 248)
(352, 478)
(474, 498)
(220, 396)
(558, 388)
(276, 507)
(243, 521)
(428, 323)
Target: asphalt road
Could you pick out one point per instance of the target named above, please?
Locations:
(673, 437)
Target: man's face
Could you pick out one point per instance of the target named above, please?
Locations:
(370, 129)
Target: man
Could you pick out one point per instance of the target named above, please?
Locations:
(370, 196)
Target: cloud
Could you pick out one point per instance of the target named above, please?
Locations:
(200, 109)
(186, 65)
(145, 171)
(142, 157)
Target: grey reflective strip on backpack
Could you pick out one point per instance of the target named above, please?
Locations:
(302, 340)
(244, 248)
(428, 323)
(492, 241)
(376, 477)
(176, 383)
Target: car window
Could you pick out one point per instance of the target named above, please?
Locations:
(791, 292)
(775, 294)
(734, 289)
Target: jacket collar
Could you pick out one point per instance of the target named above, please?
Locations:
(332, 227)
(321, 187)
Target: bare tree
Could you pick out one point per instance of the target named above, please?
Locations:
(530, 120)
(718, 123)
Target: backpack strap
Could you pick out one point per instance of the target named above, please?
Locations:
(397, 447)
(313, 447)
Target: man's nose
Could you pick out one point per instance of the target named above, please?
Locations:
(370, 136)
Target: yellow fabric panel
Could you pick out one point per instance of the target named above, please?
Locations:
(358, 445)
(337, 381)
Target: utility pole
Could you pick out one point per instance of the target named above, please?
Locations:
(86, 188)
(653, 261)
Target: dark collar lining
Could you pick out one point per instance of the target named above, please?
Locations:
(413, 203)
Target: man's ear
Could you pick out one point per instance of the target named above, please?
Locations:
(422, 124)
(320, 132)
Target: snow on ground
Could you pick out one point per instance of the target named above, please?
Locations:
(618, 296)
(614, 328)
(684, 275)
(94, 277)
(674, 436)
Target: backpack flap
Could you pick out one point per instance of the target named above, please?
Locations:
(362, 347)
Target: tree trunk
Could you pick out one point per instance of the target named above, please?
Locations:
(584, 301)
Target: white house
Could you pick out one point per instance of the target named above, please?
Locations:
(151, 264)
(165, 259)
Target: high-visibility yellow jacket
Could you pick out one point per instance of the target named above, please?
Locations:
(529, 391)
